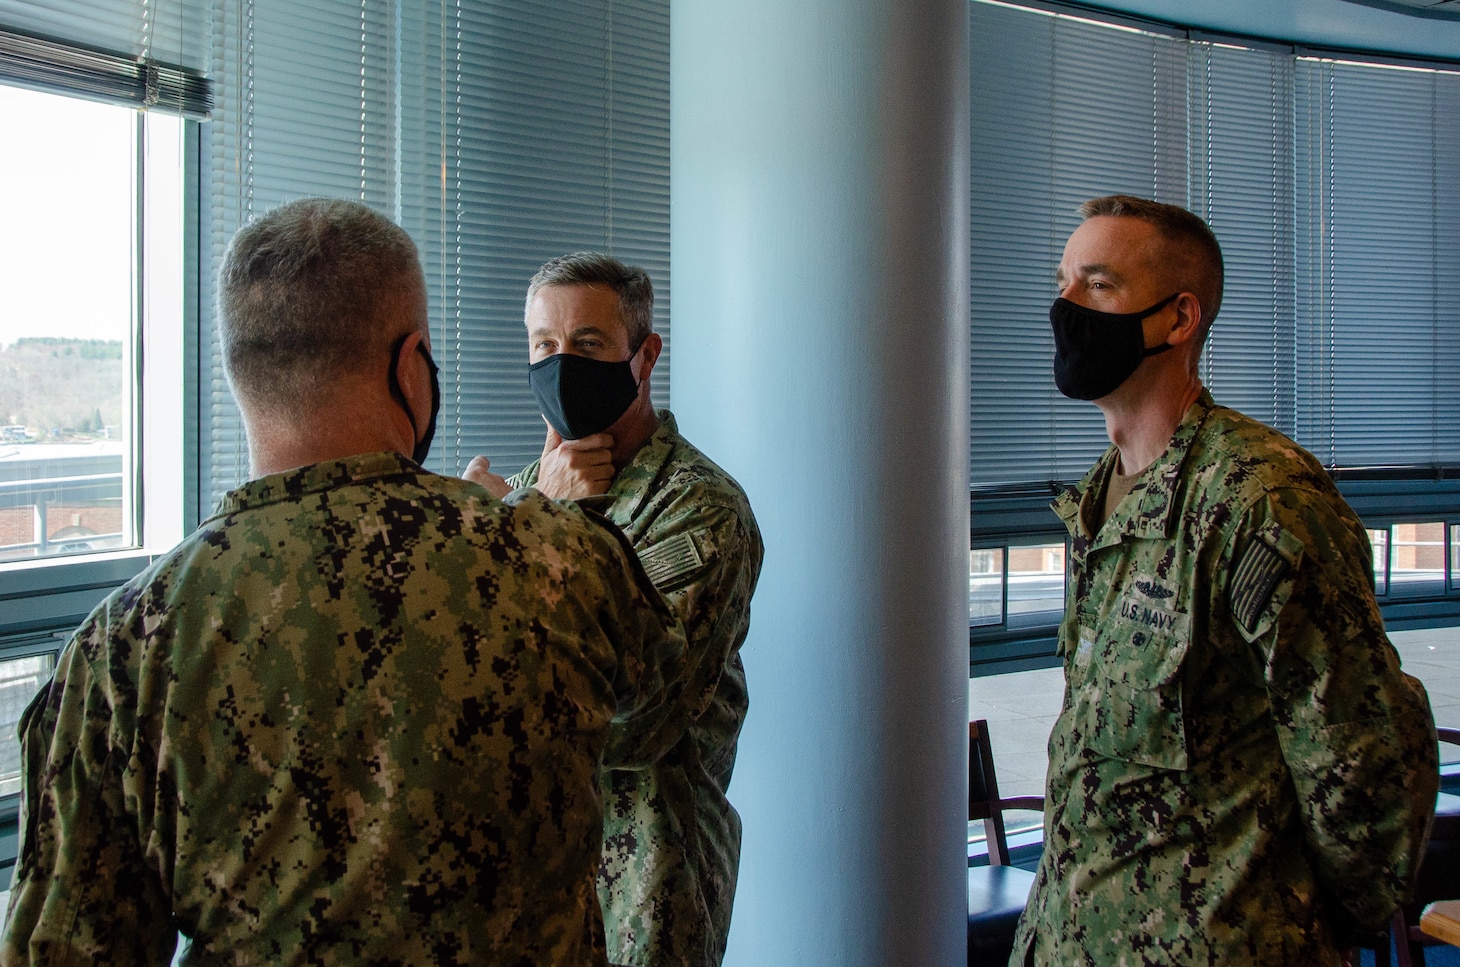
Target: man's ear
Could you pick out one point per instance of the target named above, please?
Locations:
(1188, 324)
(649, 355)
(411, 370)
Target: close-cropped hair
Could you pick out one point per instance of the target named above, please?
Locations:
(307, 293)
(631, 283)
(1191, 235)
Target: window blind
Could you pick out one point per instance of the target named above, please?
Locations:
(1063, 110)
(134, 52)
(498, 134)
(1324, 181)
(1378, 336)
(1241, 147)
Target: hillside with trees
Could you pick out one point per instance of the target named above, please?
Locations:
(61, 390)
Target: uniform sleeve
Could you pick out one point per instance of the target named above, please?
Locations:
(82, 892)
(652, 714)
(1356, 732)
(706, 563)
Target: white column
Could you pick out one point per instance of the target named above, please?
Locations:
(819, 153)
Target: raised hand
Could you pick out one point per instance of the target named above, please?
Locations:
(575, 468)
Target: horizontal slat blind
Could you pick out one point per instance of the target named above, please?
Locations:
(1378, 340)
(498, 134)
(1063, 110)
(170, 31)
(1243, 185)
(151, 55)
(1329, 185)
(565, 146)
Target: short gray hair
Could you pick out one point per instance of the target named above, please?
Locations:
(307, 293)
(635, 291)
(1201, 254)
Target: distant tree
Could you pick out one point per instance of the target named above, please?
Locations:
(56, 384)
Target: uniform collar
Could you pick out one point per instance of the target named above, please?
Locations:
(1149, 509)
(314, 478)
(630, 487)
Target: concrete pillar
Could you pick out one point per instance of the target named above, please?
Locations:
(819, 162)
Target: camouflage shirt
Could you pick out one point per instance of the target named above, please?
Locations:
(1240, 773)
(355, 718)
(672, 839)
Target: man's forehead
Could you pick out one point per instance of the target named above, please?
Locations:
(555, 326)
(578, 304)
(1110, 246)
(575, 318)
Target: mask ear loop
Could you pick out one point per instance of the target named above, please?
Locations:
(638, 380)
(1159, 348)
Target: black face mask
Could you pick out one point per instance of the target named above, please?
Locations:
(581, 396)
(1095, 352)
(423, 443)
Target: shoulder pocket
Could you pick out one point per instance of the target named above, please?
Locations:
(671, 561)
(1133, 705)
(1262, 579)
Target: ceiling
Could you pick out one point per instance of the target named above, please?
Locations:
(1439, 9)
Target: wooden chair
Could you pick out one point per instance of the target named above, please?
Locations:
(997, 892)
(1439, 877)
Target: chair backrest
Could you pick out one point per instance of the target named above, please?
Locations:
(1447, 815)
(984, 801)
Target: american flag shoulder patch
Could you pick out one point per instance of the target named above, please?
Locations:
(1258, 573)
(671, 558)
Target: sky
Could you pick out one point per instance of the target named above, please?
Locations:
(65, 205)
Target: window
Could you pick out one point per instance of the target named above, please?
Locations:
(1326, 180)
(69, 349)
(24, 668)
(93, 441)
(1453, 574)
(1016, 585)
(1414, 559)
(1379, 541)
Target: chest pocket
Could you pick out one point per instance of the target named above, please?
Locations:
(1132, 701)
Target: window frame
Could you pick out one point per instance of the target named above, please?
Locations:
(42, 593)
(43, 600)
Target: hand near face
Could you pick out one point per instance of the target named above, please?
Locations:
(575, 468)
(479, 472)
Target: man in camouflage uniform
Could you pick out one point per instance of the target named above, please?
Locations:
(1240, 773)
(357, 717)
(671, 837)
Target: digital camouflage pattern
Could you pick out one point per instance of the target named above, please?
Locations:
(1240, 774)
(355, 718)
(672, 839)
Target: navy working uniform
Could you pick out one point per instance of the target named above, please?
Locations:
(355, 718)
(1240, 773)
(671, 837)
